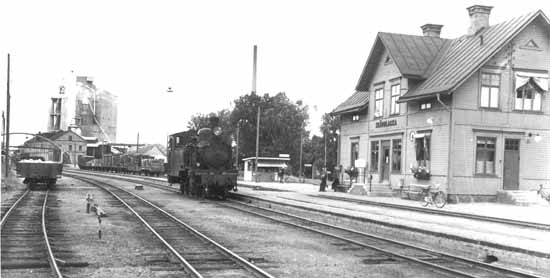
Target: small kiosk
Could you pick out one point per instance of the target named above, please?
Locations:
(267, 168)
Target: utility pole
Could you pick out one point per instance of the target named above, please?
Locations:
(301, 146)
(325, 135)
(237, 147)
(254, 62)
(7, 146)
(257, 142)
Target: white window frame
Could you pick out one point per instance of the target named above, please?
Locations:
(379, 102)
(489, 93)
(426, 106)
(395, 93)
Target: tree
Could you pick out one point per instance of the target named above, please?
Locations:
(199, 120)
(281, 124)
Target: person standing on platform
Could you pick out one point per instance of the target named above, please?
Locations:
(323, 184)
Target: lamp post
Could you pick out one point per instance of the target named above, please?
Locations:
(301, 148)
(325, 137)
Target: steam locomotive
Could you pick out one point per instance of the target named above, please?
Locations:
(200, 161)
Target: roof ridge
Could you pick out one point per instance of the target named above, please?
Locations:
(465, 55)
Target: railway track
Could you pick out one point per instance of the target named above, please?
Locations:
(199, 255)
(453, 265)
(511, 222)
(25, 243)
(498, 220)
(442, 262)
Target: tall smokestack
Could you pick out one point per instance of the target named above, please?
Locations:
(254, 69)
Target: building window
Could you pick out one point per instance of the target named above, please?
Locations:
(396, 155)
(395, 92)
(70, 138)
(528, 96)
(426, 106)
(80, 148)
(378, 103)
(485, 155)
(490, 87)
(355, 118)
(374, 156)
(70, 147)
(354, 152)
(422, 149)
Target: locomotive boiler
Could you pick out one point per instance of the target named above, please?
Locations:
(200, 162)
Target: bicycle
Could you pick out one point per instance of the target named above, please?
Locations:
(544, 193)
(433, 195)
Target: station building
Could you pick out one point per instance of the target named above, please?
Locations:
(471, 113)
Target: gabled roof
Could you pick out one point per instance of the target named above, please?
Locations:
(411, 54)
(358, 101)
(467, 54)
(52, 135)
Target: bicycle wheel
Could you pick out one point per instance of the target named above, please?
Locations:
(425, 200)
(440, 199)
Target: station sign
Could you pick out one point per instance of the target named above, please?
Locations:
(386, 123)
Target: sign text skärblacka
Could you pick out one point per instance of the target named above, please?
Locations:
(386, 123)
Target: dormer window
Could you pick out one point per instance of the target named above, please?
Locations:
(355, 117)
(529, 90)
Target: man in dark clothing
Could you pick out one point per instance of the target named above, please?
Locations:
(323, 184)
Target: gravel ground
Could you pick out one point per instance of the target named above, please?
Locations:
(280, 250)
(126, 249)
(11, 187)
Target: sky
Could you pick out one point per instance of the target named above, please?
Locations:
(312, 50)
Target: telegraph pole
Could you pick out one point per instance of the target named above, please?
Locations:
(237, 147)
(7, 143)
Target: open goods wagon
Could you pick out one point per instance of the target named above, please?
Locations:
(39, 172)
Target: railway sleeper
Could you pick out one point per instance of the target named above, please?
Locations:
(27, 264)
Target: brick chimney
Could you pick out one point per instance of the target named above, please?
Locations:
(431, 30)
(479, 18)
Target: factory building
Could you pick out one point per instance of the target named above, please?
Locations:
(471, 114)
(82, 107)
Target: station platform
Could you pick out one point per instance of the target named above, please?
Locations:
(525, 246)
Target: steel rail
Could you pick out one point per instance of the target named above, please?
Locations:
(498, 220)
(10, 210)
(170, 247)
(51, 258)
(464, 259)
(493, 219)
(233, 255)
